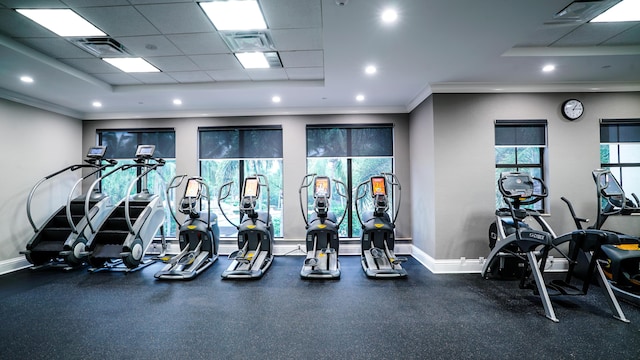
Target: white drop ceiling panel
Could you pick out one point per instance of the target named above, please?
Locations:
(91, 66)
(216, 62)
(86, 3)
(302, 58)
(154, 45)
(292, 14)
(298, 39)
(14, 24)
(190, 76)
(177, 18)
(312, 73)
(199, 43)
(154, 78)
(267, 74)
(592, 34)
(229, 75)
(27, 4)
(118, 78)
(119, 20)
(627, 37)
(173, 63)
(57, 48)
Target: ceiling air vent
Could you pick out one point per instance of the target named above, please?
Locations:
(101, 47)
(581, 11)
(248, 41)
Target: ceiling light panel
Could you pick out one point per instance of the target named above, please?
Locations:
(132, 65)
(63, 22)
(234, 15)
(259, 60)
(627, 10)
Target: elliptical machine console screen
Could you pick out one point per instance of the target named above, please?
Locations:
(251, 187)
(193, 189)
(96, 151)
(378, 186)
(322, 187)
(145, 150)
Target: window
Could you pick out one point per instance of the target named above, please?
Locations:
(352, 155)
(519, 146)
(620, 151)
(121, 145)
(230, 154)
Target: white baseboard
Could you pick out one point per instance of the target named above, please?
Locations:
(436, 266)
(14, 264)
(472, 266)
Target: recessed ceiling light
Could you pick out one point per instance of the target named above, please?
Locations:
(63, 22)
(26, 79)
(389, 16)
(177, 102)
(253, 60)
(360, 97)
(276, 99)
(548, 68)
(131, 65)
(370, 70)
(627, 10)
(96, 104)
(234, 15)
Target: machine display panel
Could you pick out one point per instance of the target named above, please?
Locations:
(251, 187)
(145, 150)
(96, 151)
(193, 188)
(378, 186)
(322, 186)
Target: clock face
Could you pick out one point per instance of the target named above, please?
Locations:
(572, 109)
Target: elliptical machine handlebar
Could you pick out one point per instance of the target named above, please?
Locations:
(521, 190)
(176, 181)
(226, 186)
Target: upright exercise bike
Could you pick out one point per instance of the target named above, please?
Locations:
(255, 231)
(322, 240)
(198, 235)
(532, 246)
(378, 228)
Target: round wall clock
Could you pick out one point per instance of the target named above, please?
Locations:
(572, 109)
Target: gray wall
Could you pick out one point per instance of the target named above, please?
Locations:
(294, 160)
(34, 143)
(463, 162)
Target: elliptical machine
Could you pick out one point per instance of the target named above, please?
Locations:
(532, 247)
(60, 241)
(378, 228)
(322, 240)
(198, 235)
(255, 231)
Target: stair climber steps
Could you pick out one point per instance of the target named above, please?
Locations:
(49, 246)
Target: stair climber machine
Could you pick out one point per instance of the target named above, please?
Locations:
(322, 240)
(198, 235)
(255, 231)
(121, 241)
(60, 241)
(378, 228)
(532, 246)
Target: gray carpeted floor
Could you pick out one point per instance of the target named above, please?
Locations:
(76, 315)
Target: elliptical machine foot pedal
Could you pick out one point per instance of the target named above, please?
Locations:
(377, 253)
(564, 288)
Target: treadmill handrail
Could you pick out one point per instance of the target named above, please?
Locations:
(37, 185)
